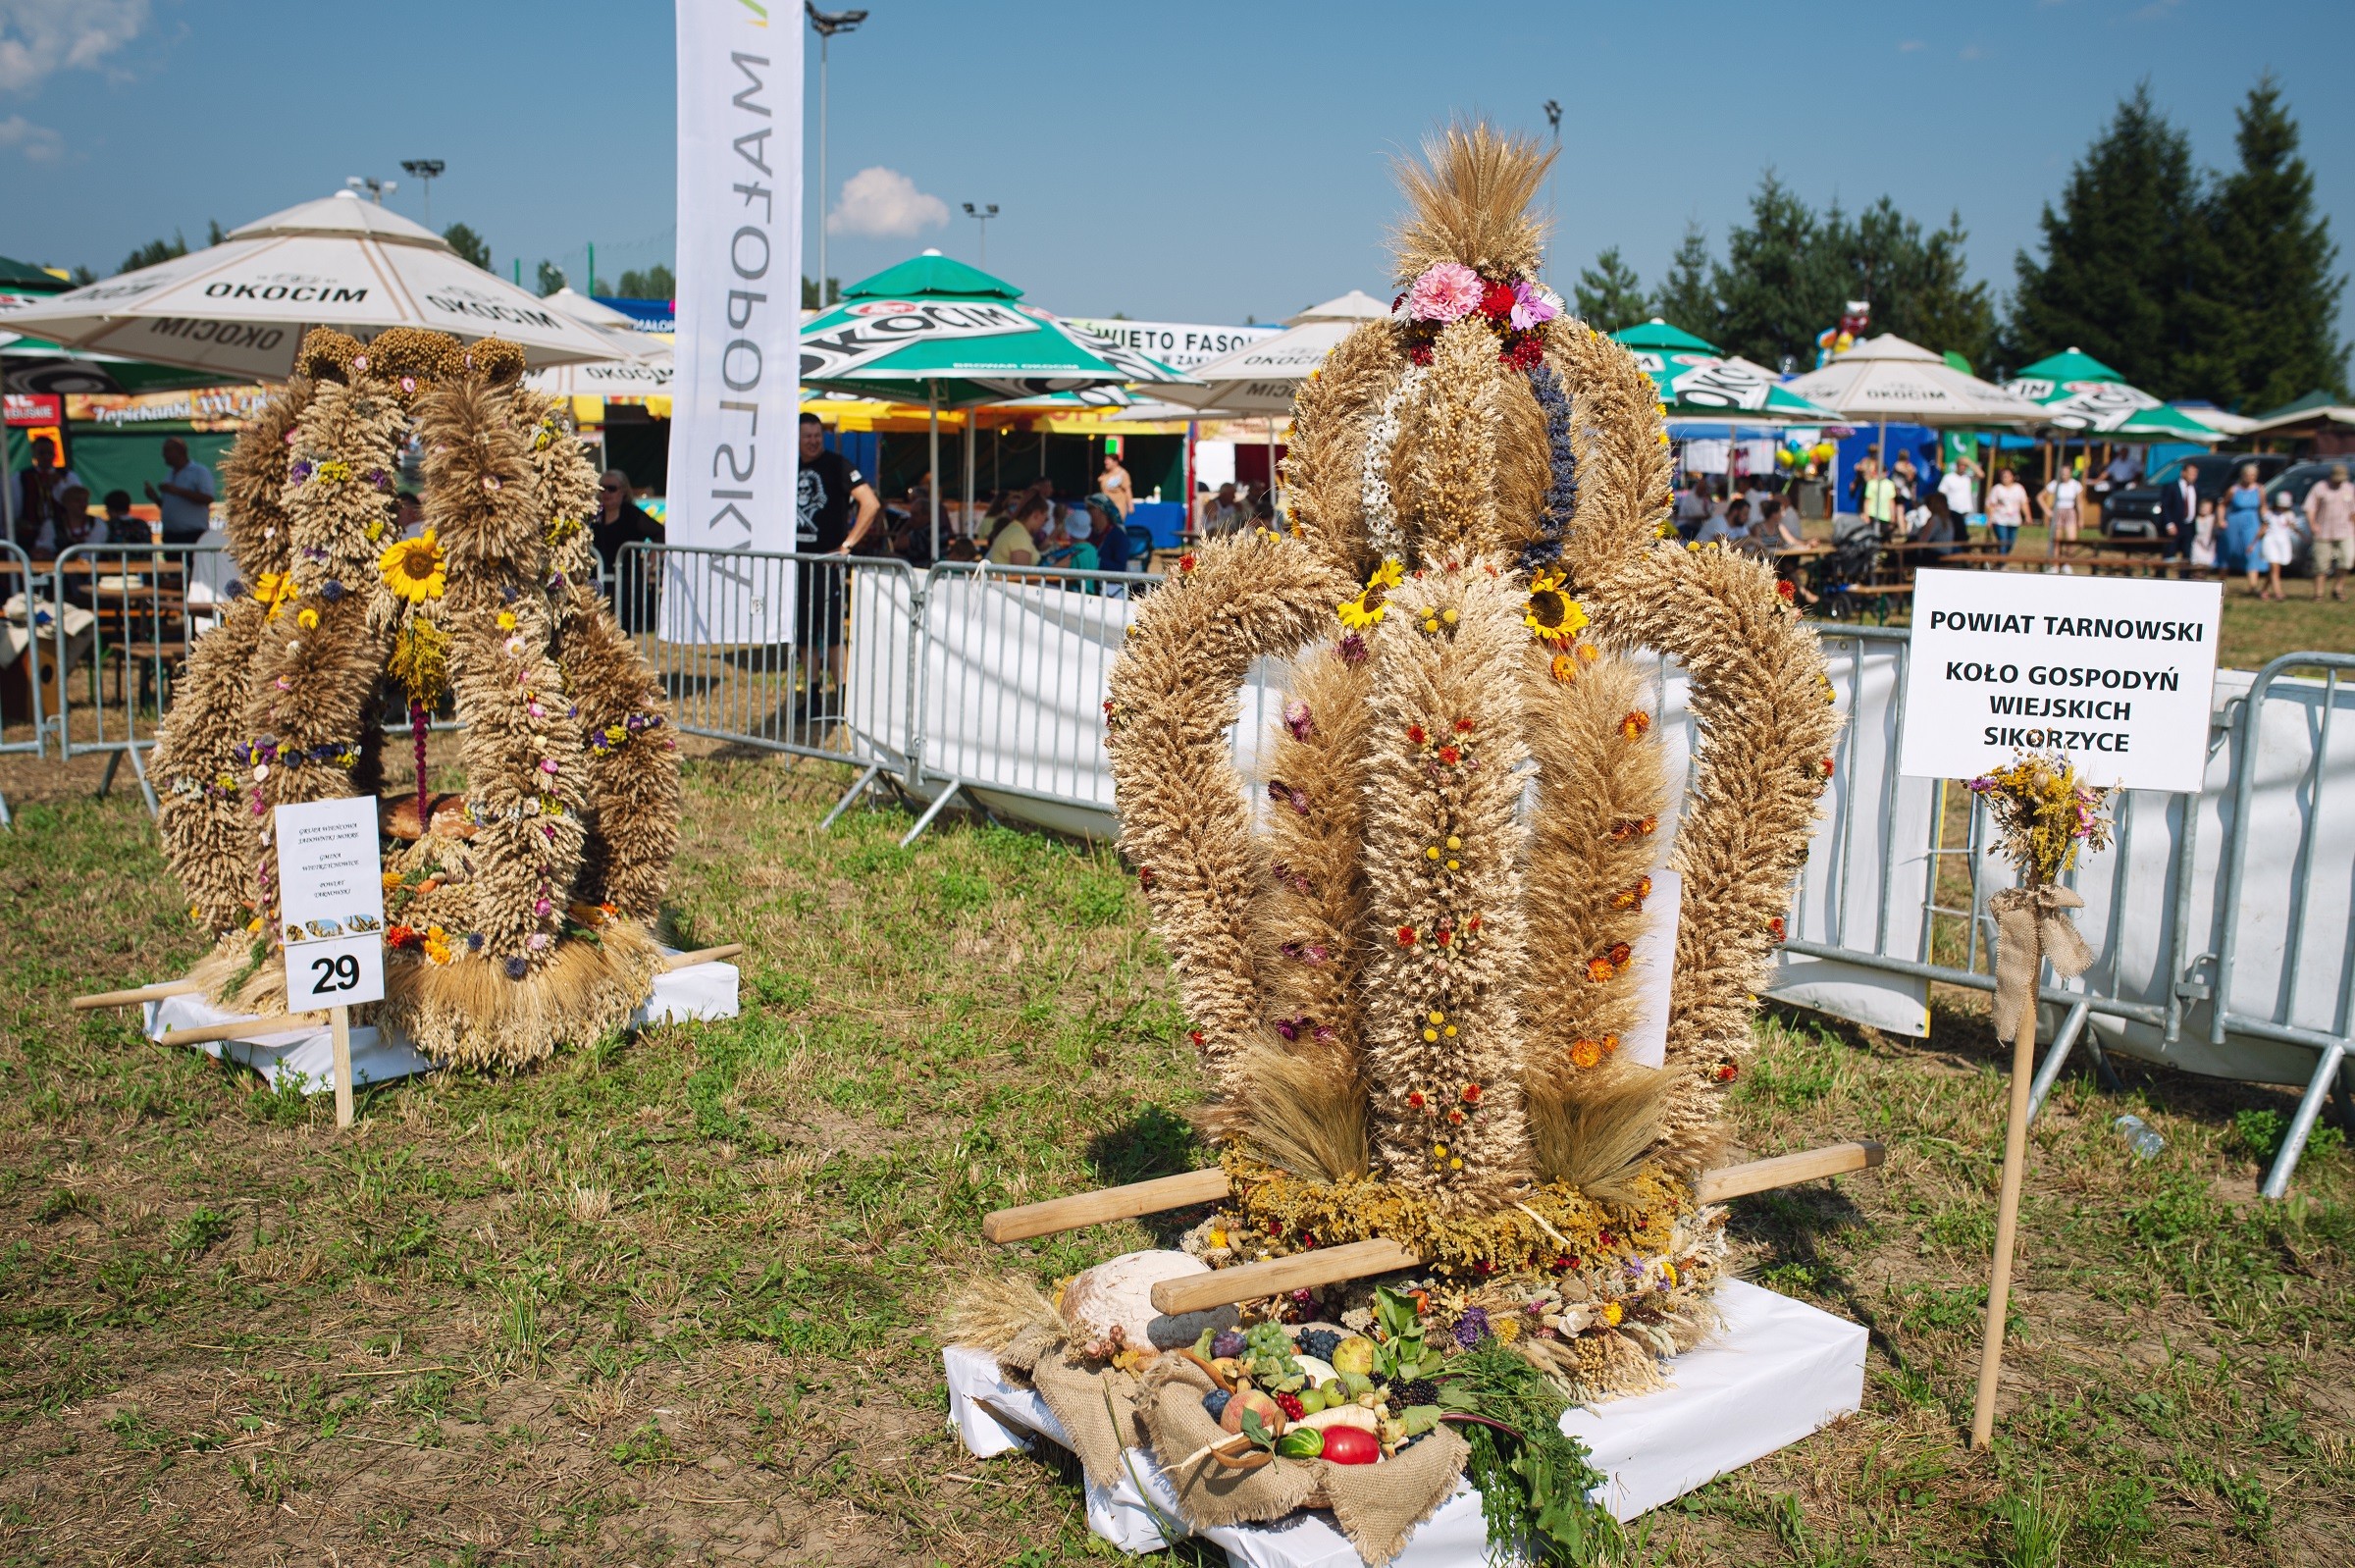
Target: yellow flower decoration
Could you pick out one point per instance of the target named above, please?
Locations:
(507, 620)
(1357, 615)
(308, 619)
(414, 570)
(275, 590)
(1612, 1312)
(1390, 574)
(1554, 617)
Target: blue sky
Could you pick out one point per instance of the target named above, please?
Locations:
(1202, 162)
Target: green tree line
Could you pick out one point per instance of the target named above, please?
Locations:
(2216, 285)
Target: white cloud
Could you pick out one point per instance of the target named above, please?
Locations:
(884, 204)
(38, 143)
(1911, 46)
(39, 38)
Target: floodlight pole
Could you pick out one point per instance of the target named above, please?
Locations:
(1553, 118)
(827, 23)
(425, 170)
(377, 189)
(981, 216)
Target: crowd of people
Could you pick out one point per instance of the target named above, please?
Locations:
(53, 505)
(2249, 531)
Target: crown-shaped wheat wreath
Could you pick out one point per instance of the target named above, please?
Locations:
(519, 921)
(1404, 950)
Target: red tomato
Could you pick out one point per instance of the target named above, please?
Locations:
(1352, 1445)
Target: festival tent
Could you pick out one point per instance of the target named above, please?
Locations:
(238, 310)
(1888, 380)
(2081, 395)
(1263, 377)
(936, 332)
(1659, 336)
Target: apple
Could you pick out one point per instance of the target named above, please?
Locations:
(1270, 1414)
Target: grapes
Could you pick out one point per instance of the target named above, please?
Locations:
(1321, 1343)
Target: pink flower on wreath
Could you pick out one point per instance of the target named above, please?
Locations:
(1447, 290)
(1533, 306)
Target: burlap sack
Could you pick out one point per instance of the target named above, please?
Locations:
(2032, 925)
(1076, 1390)
(1376, 1506)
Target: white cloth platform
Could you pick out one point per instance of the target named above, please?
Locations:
(306, 1058)
(1779, 1370)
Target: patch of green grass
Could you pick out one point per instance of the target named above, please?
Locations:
(557, 1293)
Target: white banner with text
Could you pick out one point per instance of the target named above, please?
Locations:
(734, 386)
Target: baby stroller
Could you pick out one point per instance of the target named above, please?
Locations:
(1844, 576)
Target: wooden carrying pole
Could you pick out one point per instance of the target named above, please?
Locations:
(2007, 1225)
(1332, 1265)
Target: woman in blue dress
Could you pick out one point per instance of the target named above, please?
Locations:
(2244, 517)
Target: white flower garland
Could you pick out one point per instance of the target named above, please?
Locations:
(1374, 485)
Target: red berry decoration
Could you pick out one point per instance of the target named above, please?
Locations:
(1289, 1404)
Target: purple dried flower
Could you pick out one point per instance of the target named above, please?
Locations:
(1289, 1028)
(331, 591)
(1353, 649)
(518, 968)
(300, 469)
(1296, 719)
(1472, 1328)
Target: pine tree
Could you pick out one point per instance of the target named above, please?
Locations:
(552, 278)
(155, 252)
(1610, 294)
(1775, 291)
(1917, 285)
(469, 245)
(2274, 261)
(1687, 296)
(2122, 257)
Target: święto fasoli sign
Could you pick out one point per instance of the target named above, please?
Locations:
(2115, 673)
(734, 386)
(1181, 345)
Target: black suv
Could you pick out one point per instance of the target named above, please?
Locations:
(2134, 513)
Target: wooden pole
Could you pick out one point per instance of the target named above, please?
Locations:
(701, 955)
(2006, 1224)
(136, 996)
(1198, 1293)
(1111, 1203)
(245, 1028)
(1787, 1169)
(340, 1021)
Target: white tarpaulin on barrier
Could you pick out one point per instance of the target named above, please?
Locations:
(2291, 960)
(1015, 676)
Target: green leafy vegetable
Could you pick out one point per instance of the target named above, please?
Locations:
(1534, 1480)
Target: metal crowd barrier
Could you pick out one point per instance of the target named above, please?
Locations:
(947, 686)
(24, 616)
(770, 663)
(130, 610)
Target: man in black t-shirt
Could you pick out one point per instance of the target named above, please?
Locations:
(826, 489)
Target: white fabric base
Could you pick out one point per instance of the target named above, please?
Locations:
(1779, 1370)
(306, 1058)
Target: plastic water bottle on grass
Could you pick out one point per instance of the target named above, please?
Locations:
(2140, 1136)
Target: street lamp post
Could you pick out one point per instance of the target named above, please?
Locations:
(827, 23)
(982, 215)
(425, 170)
(377, 189)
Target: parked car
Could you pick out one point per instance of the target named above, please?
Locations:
(2218, 472)
(2134, 513)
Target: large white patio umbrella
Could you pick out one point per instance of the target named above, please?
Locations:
(239, 308)
(1888, 380)
(1260, 379)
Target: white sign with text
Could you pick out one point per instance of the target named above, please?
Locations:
(2114, 673)
(330, 895)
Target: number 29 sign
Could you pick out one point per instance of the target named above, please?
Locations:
(330, 903)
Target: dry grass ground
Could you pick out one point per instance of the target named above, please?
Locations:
(665, 1300)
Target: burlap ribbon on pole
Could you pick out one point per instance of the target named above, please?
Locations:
(2032, 925)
